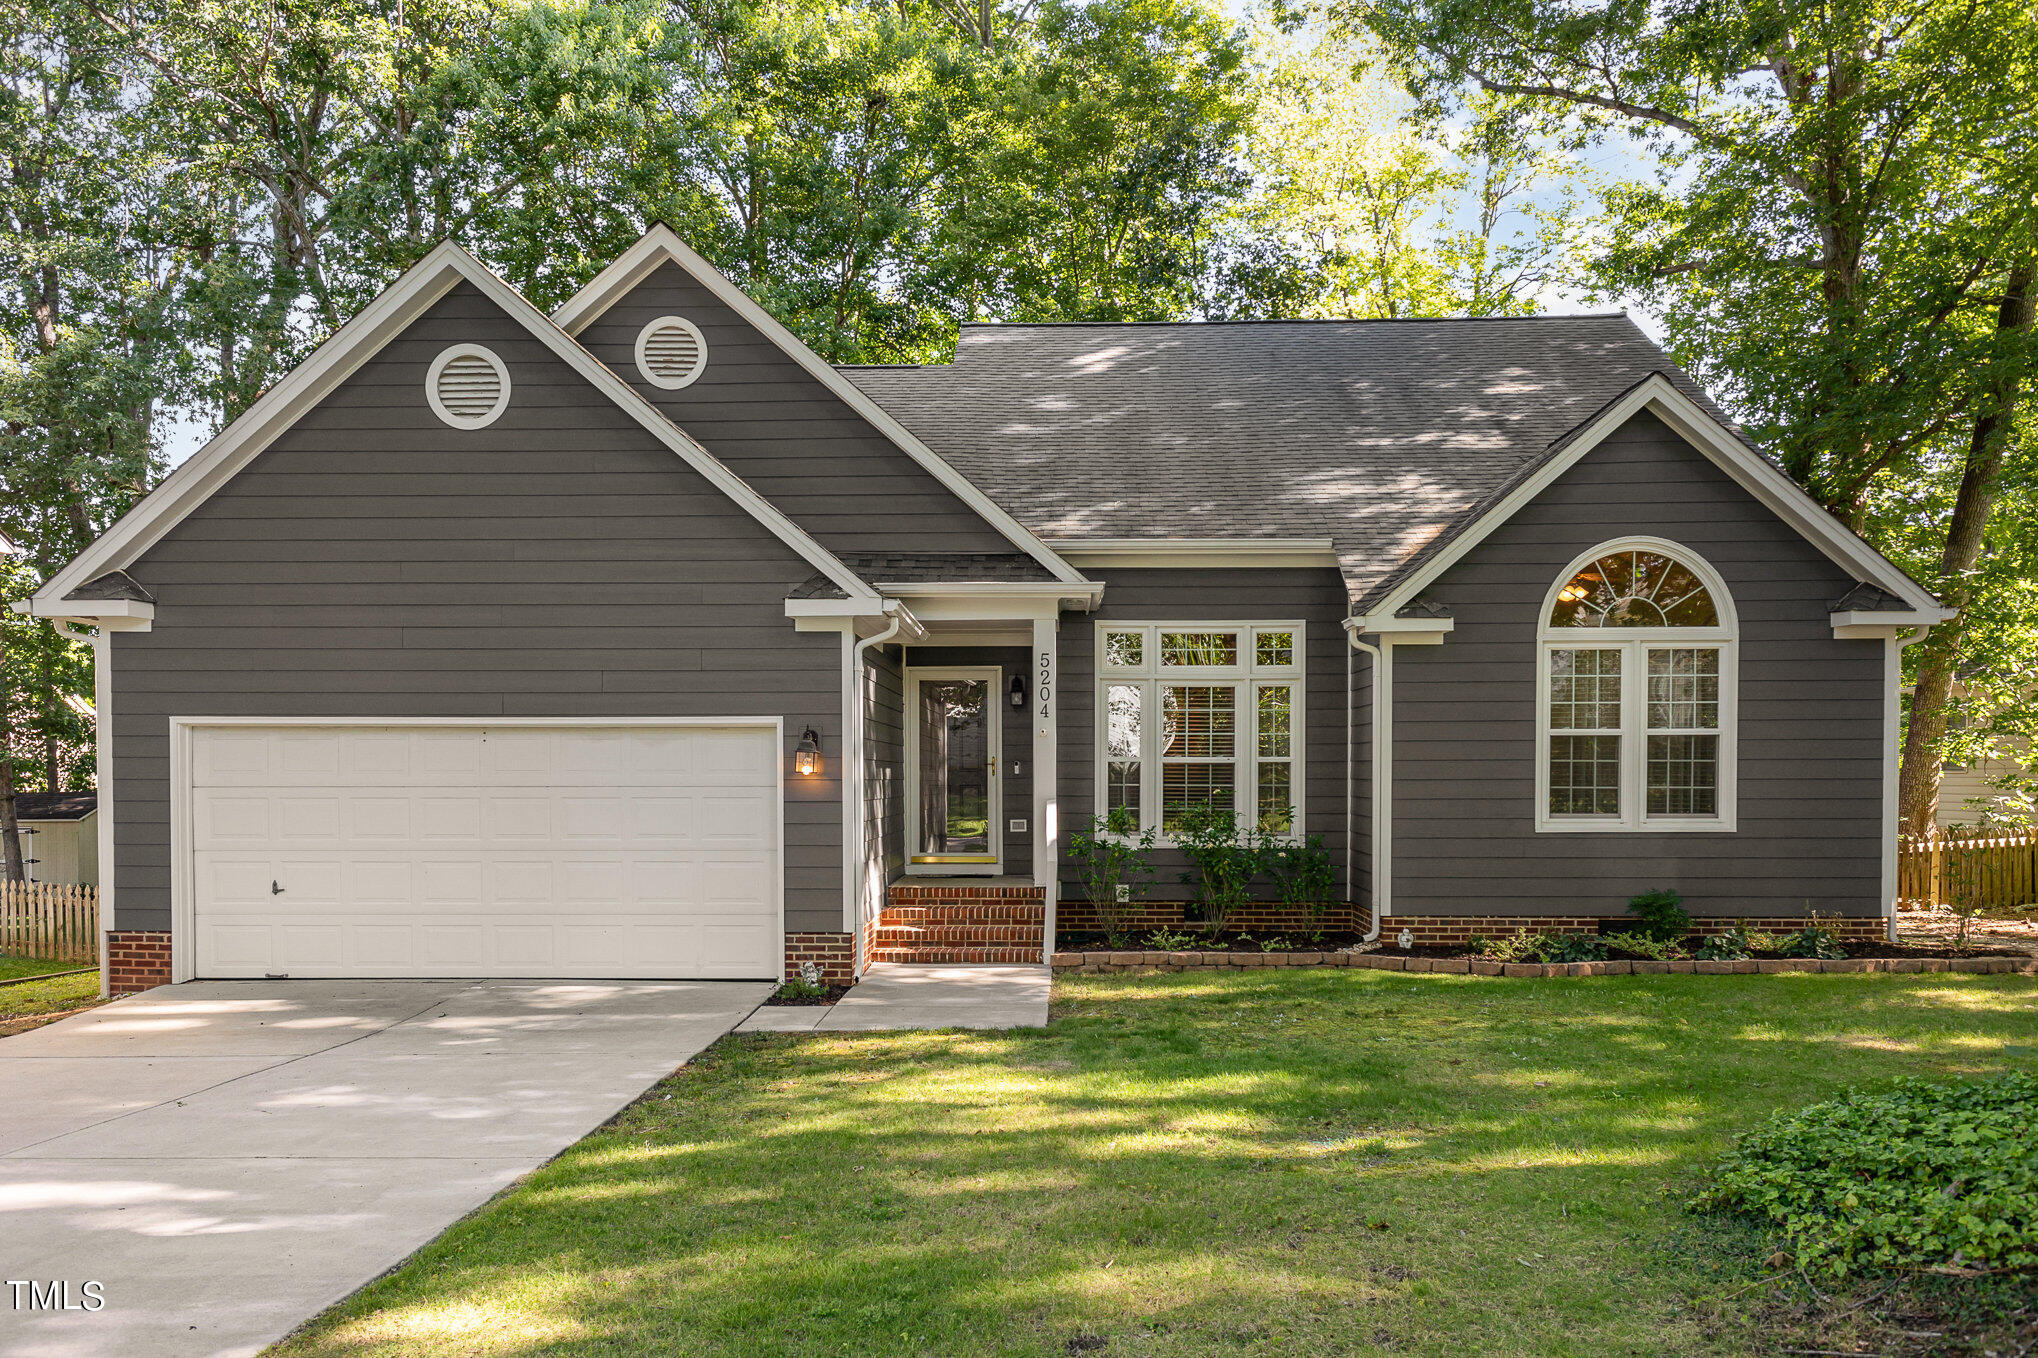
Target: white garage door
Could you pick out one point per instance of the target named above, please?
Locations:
(622, 851)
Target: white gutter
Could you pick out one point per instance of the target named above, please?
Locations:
(1893, 683)
(1382, 784)
(856, 852)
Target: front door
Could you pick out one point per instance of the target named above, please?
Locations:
(952, 736)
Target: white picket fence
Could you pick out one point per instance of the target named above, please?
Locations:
(51, 921)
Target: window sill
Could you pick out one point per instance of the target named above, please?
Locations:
(1711, 825)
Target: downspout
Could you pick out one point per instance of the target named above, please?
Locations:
(860, 886)
(1351, 662)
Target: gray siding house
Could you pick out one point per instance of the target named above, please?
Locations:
(637, 641)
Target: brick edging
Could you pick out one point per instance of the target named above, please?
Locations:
(1459, 966)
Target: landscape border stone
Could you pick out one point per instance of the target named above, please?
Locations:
(1093, 962)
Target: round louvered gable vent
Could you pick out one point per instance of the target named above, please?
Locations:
(468, 386)
(671, 352)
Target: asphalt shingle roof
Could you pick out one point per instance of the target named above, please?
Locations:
(881, 568)
(1383, 436)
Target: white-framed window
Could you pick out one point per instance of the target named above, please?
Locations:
(1194, 714)
(1635, 702)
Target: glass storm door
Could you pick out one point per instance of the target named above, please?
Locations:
(952, 759)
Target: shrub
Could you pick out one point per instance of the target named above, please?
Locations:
(801, 988)
(1111, 854)
(1301, 873)
(1660, 915)
(1520, 946)
(1170, 940)
(1929, 1175)
(1641, 945)
(1575, 948)
(1814, 940)
(1225, 860)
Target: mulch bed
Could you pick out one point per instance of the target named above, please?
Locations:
(834, 993)
(1334, 942)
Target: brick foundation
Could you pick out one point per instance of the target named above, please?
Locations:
(832, 953)
(136, 959)
(1258, 917)
(1445, 930)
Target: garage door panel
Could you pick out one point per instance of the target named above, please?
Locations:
(496, 851)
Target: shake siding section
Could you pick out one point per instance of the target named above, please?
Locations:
(778, 428)
(374, 562)
(1316, 596)
(1811, 710)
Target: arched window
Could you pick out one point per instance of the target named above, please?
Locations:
(1635, 710)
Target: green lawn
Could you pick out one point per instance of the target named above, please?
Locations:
(12, 968)
(51, 996)
(1262, 1162)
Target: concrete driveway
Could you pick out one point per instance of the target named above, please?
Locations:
(228, 1158)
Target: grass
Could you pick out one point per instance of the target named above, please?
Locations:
(1260, 1162)
(14, 968)
(51, 996)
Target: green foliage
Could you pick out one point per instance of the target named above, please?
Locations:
(1174, 940)
(1225, 859)
(1575, 948)
(1814, 940)
(1113, 853)
(1660, 915)
(1540, 946)
(1927, 1175)
(1302, 873)
(1643, 946)
(800, 988)
(1741, 942)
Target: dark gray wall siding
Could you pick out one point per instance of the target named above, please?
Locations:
(1016, 735)
(1811, 711)
(1317, 596)
(778, 428)
(561, 562)
(1362, 779)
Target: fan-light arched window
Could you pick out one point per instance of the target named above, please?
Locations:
(1636, 693)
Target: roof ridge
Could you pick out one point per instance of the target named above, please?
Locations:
(1276, 320)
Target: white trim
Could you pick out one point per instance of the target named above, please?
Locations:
(118, 615)
(332, 362)
(700, 344)
(1246, 678)
(661, 243)
(1892, 705)
(446, 357)
(1383, 784)
(994, 825)
(1748, 468)
(102, 731)
(1042, 683)
(1634, 645)
(1236, 553)
(1413, 631)
(183, 880)
(1854, 624)
(1088, 591)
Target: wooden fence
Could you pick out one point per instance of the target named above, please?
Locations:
(1995, 870)
(53, 921)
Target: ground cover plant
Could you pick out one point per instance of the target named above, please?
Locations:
(25, 1004)
(1937, 1176)
(1263, 1162)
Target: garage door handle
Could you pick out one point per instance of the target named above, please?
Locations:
(274, 889)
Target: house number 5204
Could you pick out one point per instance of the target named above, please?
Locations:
(1044, 686)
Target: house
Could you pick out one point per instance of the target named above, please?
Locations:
(635, 640)
(60, 835)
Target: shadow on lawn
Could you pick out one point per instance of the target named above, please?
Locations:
(1275, 1163)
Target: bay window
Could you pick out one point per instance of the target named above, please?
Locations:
(1200, 715)
(1635, 706)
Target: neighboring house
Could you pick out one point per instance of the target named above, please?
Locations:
(1970, 788)
(637, 641)
(60, 833)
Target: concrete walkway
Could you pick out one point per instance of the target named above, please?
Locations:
(228, 1158)
(894, 995)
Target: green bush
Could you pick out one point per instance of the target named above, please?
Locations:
(1814, 940)
(1926, 1176)
(1112, 854)
(1302, 873)
(1660, 915)
(1641, 945)
(1575, 948)
(1225, 857)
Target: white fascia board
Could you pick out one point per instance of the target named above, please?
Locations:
(1188, 553)
(1088, 591)
(115, 615)
(1788, 500)
(1405, 631)
(661, 243)
(352, 345)
(1855, 618)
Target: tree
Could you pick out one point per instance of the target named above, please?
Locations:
(1840, 236)
(1360, 208)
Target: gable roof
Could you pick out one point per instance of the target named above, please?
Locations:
(55, 805)
(661, 245)
(381, 321)
(1390, 438)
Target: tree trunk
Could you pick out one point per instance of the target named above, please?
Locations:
(1918, 783)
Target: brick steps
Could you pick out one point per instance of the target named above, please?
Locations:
(960, 923)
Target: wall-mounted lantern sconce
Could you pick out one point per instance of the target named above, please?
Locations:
(807, 754)
(1017, 691)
